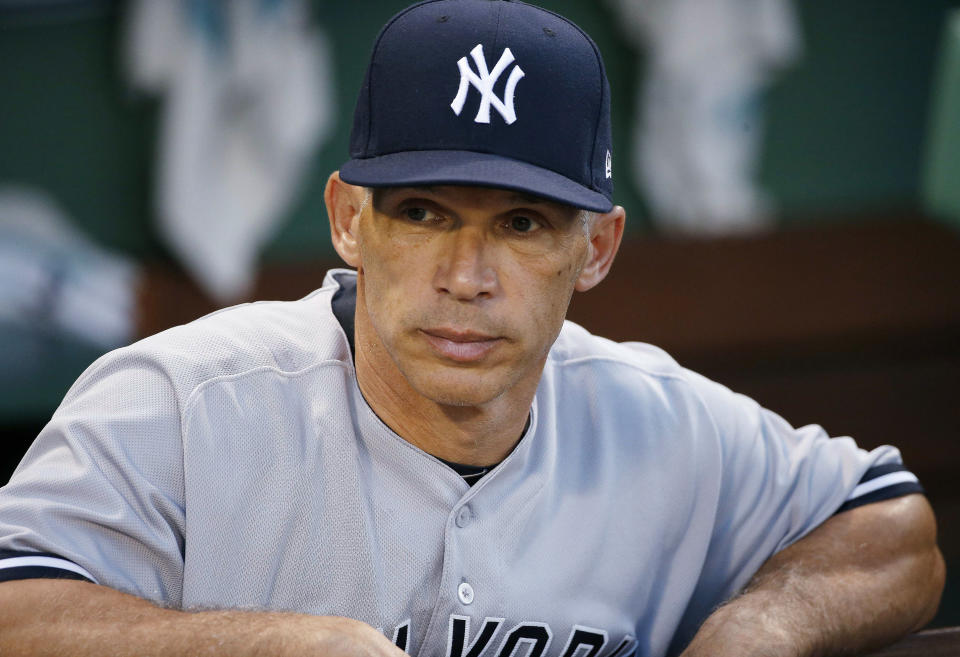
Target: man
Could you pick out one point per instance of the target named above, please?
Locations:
(422, 456)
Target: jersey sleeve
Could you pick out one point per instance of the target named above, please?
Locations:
(39, 565)
(882, 482)
(777, 483)
(99, 494)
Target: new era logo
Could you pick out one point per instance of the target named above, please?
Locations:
(484, 81)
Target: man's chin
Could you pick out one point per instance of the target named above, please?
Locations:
(461, 398)
(458, 391)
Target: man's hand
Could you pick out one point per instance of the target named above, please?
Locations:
(860, 581)
(44, 617)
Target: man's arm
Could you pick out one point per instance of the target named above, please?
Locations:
(861, 580)
(55, 618)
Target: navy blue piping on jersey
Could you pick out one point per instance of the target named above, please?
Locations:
(344, 306)
(892, 480)
(470, 473)
(10, 572)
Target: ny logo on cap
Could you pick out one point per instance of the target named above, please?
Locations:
(484, 82)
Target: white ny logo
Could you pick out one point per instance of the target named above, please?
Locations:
(485, 83)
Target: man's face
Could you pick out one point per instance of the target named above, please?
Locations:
(465, 289)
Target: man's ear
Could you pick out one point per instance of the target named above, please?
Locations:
(344, 205)
(606, 231)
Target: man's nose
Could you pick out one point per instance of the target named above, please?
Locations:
(467, 269)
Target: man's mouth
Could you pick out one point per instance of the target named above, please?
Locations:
(460, 346)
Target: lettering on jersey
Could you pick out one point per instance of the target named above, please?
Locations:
(459, 635)
(529, 639)
(584, 642)
(625, 647)
(401, 635)
(535, 635)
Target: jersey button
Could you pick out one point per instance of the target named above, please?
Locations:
(465, 593)
(464, 516)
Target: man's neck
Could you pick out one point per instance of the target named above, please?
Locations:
(474, 435)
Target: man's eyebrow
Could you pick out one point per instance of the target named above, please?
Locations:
(379, 192)
(516, 196)
(530, 199)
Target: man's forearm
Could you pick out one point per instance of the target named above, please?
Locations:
(863, 579)
(57, 618)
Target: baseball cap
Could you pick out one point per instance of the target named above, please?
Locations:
(490, 93)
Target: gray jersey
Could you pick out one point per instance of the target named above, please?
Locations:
(233, 463)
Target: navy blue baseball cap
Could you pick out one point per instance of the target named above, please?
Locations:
(491, 93)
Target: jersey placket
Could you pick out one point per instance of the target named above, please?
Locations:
(466, 618)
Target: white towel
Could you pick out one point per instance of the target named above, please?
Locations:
(698, 126)
(248, 95)
(54, 280)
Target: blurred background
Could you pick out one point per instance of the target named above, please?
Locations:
(790, 170)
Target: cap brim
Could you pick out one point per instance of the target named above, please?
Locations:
(441, 167)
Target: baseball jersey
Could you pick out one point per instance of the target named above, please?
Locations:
(233, 463)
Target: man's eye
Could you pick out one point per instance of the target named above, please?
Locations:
(416, 214)
(523, 224)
